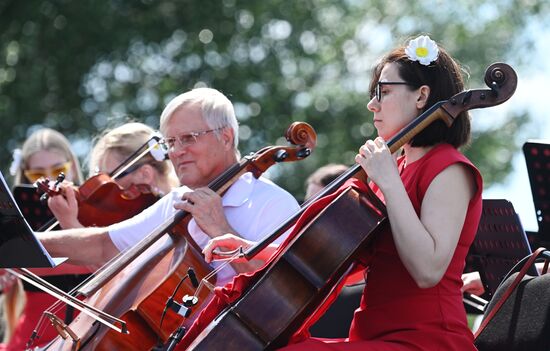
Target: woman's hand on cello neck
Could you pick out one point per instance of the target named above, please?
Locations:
(223, 246)
(381, 167)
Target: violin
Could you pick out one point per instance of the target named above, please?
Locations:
(101, 201)
(135, 285)
(301, 275)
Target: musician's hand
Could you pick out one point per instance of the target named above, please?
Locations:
(224, 243)
(65, 207)
(376, 159)
(206, 208)
(471, 283)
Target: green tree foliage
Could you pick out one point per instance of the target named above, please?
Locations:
(81, 66)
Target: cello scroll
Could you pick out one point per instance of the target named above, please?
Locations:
(502, 81)
(303, 138)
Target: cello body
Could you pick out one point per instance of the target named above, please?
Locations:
(299, 279)
(140, 300)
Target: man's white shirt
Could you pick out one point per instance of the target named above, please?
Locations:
(253, 207)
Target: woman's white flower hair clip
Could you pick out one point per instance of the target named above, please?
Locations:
(422, 49)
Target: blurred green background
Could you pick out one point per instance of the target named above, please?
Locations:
(82, 66)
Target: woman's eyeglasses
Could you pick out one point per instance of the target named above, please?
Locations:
(187, 139)
(33, 174)
(378, 89)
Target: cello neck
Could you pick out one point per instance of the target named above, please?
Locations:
(113, 267)
(395, 143)
(302, 138)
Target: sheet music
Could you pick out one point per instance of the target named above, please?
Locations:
(19, 247)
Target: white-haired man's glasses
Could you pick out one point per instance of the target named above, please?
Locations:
(187, 139)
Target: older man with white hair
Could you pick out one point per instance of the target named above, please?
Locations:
(201, 132)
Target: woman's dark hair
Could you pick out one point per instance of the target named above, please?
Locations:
(445, 80)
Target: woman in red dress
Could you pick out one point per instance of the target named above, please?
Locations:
(412, 299)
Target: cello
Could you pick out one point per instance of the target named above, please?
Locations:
(135, 285)
(301, 275)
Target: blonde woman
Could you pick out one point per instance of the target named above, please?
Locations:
(110, 150)
(45, 153)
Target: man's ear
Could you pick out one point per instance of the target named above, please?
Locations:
(227, 136)
(423, 95)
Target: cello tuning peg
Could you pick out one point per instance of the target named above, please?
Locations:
(280, 155)
(467, 97)
(303, 153)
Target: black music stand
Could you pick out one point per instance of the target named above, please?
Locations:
(36, 212)
(537, 158)
(499, 244)
(19, 248)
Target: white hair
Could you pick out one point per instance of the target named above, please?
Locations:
(217, 111)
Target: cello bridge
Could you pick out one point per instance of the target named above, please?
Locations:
(63, 329)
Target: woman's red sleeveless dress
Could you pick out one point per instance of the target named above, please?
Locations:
(395, 314)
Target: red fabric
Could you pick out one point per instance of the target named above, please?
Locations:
(355, 278)
(395, 314)
(233, 290)
(37, 302)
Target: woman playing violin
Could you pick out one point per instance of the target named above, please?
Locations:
(412, 299)
(45, 153)
(110, 150)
